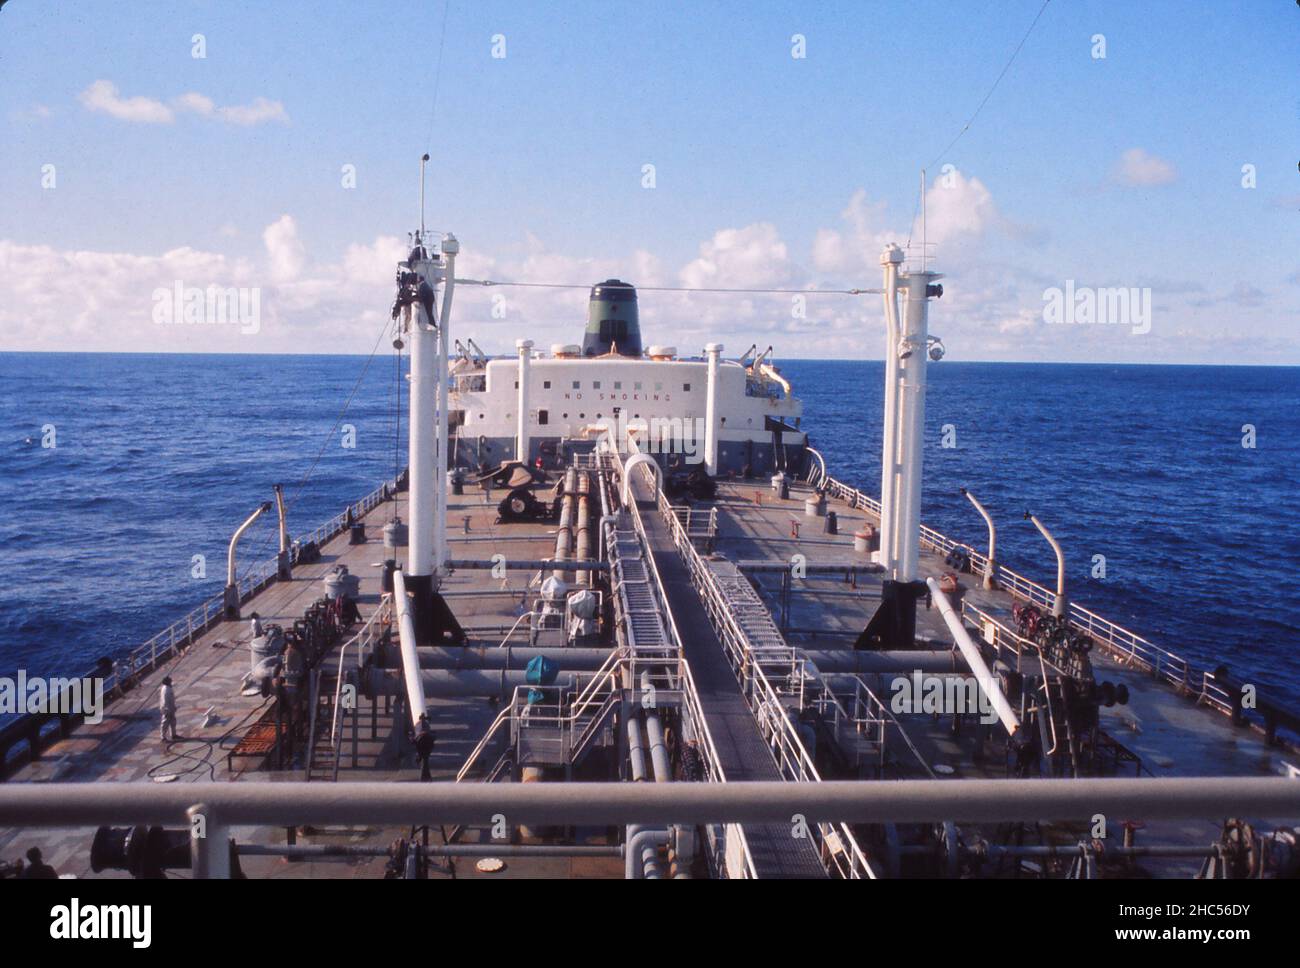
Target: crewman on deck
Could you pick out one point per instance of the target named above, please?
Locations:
(167, 709)
(37, 869)
(424, 746)
(256, 625)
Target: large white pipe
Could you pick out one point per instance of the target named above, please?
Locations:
(234, 541)
(415, 702)
(911, 424)
(975, 659)
(991, 569)
(618, 803)
(525, 347)
(450, 248)
(1060, 605)
(890, 259)
(712, 352)
(423, 429)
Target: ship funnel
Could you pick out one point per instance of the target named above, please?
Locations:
(613, 325)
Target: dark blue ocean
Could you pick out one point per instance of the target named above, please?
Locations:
(158, 458)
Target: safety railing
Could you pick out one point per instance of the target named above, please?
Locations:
(365, 641)
(185, 630)
(838, 848)
(23, 732)
(1117, 642)
(729, 851)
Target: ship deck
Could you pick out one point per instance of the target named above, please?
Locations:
(1169, 733)
(125, 747)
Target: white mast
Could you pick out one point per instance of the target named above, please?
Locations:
(428, 331)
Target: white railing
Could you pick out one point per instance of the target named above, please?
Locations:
(837, 846)
(185, 630)
(1119, 643)
(364, 640)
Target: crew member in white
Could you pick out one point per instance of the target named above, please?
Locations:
(167, 709)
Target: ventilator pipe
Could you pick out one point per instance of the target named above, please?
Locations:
(522, 451)
(232, 585)
(283, 566)
(1061, 606)
(975, 658)
(635, 745)
(415, 702)
(990, 569)
(712, 353)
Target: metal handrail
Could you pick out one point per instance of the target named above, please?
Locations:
(764, 701)
(1120, 643)
(365, 636)
(197, 621)
(502, 717)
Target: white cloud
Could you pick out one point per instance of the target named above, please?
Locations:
(197, 103)
(957, 207)
(735, 258)
(990, 309)
(103, 96)
(1139, 168)
(259, 111)
(284, 248)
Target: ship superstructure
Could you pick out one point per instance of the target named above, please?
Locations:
(607, 384)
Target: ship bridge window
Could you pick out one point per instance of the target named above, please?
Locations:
(595, 384)
(577, 384)
(546, 384)
(618, 384)
(636, 385)
(686, 387)
(543, 416)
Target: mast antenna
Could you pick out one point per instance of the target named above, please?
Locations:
(424, 159)
(924, 252)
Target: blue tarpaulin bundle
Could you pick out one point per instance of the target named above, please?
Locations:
(540, 671)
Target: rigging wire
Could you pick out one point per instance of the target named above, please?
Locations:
(574, 285)
(288, 504)
(971, 120)
(437, 73)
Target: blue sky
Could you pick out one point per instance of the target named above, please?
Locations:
(768, 168)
